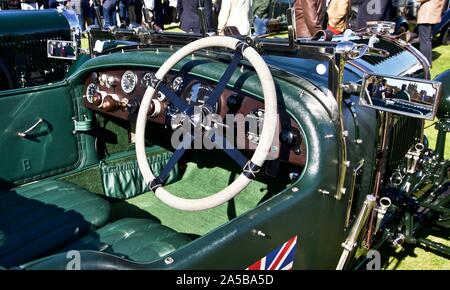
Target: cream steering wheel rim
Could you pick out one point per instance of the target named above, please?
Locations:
(266, 137)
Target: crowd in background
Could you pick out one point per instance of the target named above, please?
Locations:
(239, 16)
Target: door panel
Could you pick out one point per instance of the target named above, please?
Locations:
(49, 146)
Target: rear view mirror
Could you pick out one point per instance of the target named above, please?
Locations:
(411, 97)
(62, 49)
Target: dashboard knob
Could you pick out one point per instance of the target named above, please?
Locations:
(110, 105)
(234, 102)
(111, 81)
(288, 137)
(97, 99)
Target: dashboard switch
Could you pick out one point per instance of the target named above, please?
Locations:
(110, 105)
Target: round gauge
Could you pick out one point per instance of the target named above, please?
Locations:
(128, 81)
(90, 90)
(198, 94)
(177, 84)
(147, 79)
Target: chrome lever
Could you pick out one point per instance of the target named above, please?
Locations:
(25, 133)
(378, 52)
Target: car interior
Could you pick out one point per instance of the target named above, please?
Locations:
(73, 181)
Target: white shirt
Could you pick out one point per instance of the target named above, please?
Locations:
(236, 13)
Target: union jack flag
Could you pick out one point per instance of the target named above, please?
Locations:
(282, 258)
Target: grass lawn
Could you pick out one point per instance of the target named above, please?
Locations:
(441, 62)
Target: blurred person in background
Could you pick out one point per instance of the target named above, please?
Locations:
(28, 5)
(173, 15)
(153, 15)
(309, 17)
(123, 11)
(52, 4)
(132, 12)
(236, 13)
(338, 11)
(373, 10)
(86, 13)
(189, 18)
(261, 9)
(429, 14)
(109, 12)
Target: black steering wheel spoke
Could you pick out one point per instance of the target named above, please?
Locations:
(178, 102)
(223, 143)
(179, 152)
(220, 87)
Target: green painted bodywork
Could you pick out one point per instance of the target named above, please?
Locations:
(23, 46)
(35, 24)
(52, 148)
(444, 105)
(306, 209)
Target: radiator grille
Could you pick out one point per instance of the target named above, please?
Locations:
(28, 55)
(392, 48)
(404, 133)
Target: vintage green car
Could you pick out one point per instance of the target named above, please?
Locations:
(303, 154)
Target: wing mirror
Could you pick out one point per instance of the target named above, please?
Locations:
(411, 97)
(62, 49)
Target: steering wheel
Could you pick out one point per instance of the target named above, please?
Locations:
(250, 167)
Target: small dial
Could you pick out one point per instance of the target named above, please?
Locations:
(199, 94)
(147, 79)
(177, 84)
(128, 81)
(90, 91)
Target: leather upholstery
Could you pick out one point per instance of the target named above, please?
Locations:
(38, 218)
(139, 240)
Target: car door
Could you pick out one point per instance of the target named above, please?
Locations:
(36, 133)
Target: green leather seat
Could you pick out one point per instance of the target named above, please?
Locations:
(39, 218)
(138, 240)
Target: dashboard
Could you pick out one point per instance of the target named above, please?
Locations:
(118, 93)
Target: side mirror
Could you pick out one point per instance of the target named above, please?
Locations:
(62, 49)
(411, 97)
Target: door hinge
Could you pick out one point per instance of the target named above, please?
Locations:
(83, 125)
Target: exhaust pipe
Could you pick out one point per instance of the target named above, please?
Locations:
(351, 241)
(385, 203)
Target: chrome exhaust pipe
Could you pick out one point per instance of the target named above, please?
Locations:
(351, 241)
(381, 210)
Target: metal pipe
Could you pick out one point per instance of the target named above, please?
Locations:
(437, 208)
(380, 170)
(435, 246)
(351, 241)
(381, 210)
(340, 63)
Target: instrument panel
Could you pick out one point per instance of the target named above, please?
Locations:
(118, 93)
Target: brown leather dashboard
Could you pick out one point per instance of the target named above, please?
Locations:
(117, 93)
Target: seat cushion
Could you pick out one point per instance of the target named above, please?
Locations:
(39, 218)
(138, 240)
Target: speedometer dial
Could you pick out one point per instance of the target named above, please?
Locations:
(128, 81)
(90, 91)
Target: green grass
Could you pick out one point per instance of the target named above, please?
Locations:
(441, 62)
